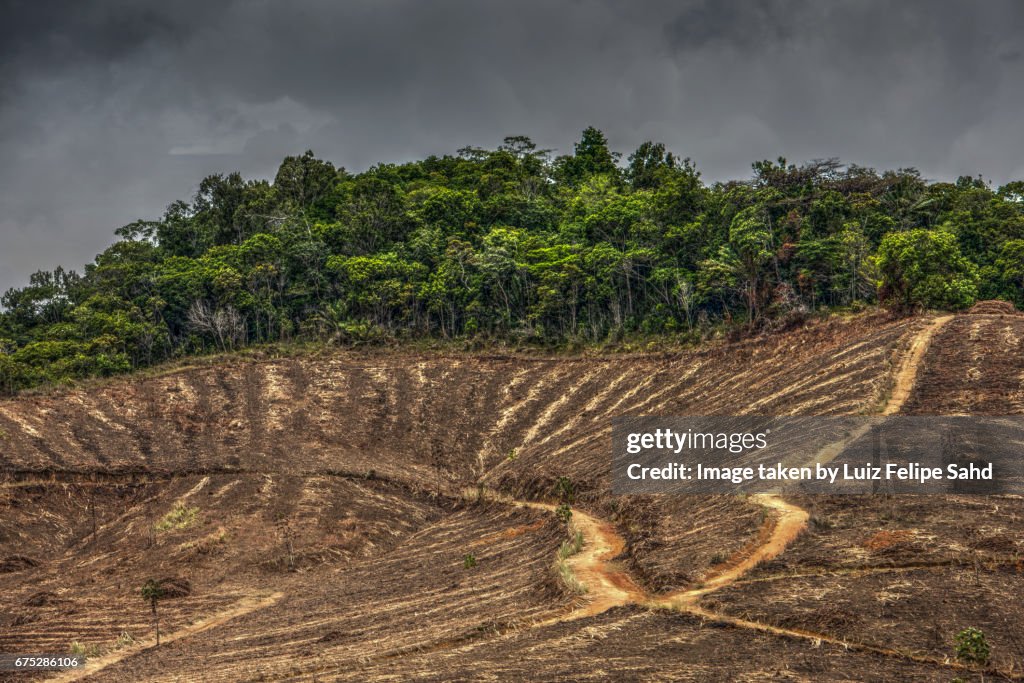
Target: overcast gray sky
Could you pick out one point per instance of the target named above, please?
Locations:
(110, 110)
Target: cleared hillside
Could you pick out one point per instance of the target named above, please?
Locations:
(317, 508)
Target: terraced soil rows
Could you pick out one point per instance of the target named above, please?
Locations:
(610, 587)
(239, 609)
(974, 368)
(417, 597)
(910, 572)
(336, 481)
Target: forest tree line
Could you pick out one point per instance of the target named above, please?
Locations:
(512, 245)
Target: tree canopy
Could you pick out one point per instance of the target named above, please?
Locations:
(510, 244)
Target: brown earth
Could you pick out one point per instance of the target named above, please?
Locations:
(317, 508)
(995, 306)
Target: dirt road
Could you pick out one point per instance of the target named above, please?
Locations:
(608, 585)
(906, 374)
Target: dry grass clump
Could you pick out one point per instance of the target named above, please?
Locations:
(180, 517)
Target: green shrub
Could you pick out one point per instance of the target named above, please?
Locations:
(565, 489)
(564, 513)
(972, 647)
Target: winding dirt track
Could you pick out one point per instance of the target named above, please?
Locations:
(609, 586)
(790, 520)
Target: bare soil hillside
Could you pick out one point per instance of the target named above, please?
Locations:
(389, 516)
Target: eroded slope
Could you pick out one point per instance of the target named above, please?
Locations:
(333, 528)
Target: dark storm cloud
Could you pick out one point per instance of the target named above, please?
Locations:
(110, 110)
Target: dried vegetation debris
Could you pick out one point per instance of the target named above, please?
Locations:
(332, 481)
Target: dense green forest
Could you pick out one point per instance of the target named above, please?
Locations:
(515, 246)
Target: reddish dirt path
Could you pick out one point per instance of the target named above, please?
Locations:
(906, 374)
(790, 520)
(609, 586)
